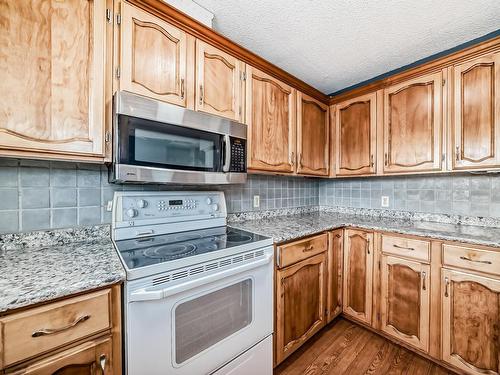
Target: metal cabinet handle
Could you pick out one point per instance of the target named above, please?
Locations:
(300, 160)
(338, 235)
(404, 248)
(372, 163)
(182, 88)
(446, 287)
(201, 94)
(386, 159)
(308, 248)
(278, 260)
(476, 261)
(424, 287)
(368, 247)
(51, 331)
(102, 362)
(292, 158)
(457, 153)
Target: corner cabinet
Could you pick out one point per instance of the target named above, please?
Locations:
(413, 125)
(358, 272)
(356, 136)
(335, 265)
(476, 113)
(154, 57)
(220, 80)
(471, 322)
(54, 79)
(312, 136)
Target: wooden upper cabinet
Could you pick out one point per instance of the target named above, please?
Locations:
(153, 57)
(219, 82)
(270, 115)
(471, 322)
(355, 139)
(335, 264)
(358, 272)
(476, 113)
(300, 303)
(413, 125)
(53, 79)
(313, 136)
(405, 301)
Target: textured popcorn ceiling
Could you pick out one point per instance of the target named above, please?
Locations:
(332, 44)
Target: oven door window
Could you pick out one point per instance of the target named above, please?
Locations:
(152, 144)
(204, 321)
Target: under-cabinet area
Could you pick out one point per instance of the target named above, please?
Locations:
(437, 298)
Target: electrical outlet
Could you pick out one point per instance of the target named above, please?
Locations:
(385, 201)
(256, 201)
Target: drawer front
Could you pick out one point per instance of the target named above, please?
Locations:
(471, 259)
(406, 247)
(296, 251)
(32, 332)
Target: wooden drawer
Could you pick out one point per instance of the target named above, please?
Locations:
(32, 332)
(472, 259)
(406, 247)
(296, 251)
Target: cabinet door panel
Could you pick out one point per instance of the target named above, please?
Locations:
(476, 115)
(312, 136)
(335, 263)
(471, 322)
(358, 271)
(53, 77)
(405, 305)
(356, 124)
(153, 61)
(413, 125)
(271, 123)
(219, 85)
(300, 293)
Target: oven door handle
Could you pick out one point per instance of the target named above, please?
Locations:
(148, 295)
(227, 153)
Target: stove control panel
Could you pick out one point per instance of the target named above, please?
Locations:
(137, 206)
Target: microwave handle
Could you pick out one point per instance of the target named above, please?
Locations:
(227, 153)
(145, 295)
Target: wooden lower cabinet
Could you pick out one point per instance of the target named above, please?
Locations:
(334, 279)
(300, 303)
(405, 300)
(358, 272)
(471, 322)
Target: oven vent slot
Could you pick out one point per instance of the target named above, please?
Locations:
(249, 256)
(196, 270)
(211, 266)
(238, 259)
(259, 253)
(180, 275)
(161, 280)
(225, 262)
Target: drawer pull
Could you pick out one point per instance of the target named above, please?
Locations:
(404, 248)
(476, 261)
(308, 248)
(424, 287)
(446, 286)
(50, 331)
(102, 362)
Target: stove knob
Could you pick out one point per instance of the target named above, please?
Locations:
(209, 200)
(131, 212)
(141, 203)
(215, 206)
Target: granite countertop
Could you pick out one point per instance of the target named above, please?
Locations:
(285, 228)
(42, 266)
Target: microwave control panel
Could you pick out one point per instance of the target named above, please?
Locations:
(238, 156)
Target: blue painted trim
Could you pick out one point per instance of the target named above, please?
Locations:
(438, 55)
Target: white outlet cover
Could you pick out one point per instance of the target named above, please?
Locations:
(256, 201)
(385, 201)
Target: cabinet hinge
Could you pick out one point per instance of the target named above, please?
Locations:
(107, 137)
(379, 265)
(444, 81)
(118, 19)
(243, 76)
(117, 72)
(108, 15)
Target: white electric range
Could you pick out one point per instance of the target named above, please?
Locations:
(199, 294)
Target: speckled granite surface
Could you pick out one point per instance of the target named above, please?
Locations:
(41, 266)
(285, 228)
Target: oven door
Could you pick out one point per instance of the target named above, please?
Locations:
(198, 326)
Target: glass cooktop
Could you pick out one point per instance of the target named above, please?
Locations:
(142, 252)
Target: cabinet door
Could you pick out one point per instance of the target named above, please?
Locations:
(271, 123)
(312, 136)
(90, 358)
(153, 57)
(476, 113)
(300, 307)
(413, 125)
(405, 297)
(356, 139)
(358, 271)
(53, 78)
(471, 322)
(219, 82)
(335, 263)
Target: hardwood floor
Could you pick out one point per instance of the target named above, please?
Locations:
(346, 348)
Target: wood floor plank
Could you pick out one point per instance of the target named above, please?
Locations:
(347, 348)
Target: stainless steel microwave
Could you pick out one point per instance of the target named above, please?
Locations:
(157, 142)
